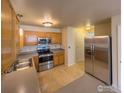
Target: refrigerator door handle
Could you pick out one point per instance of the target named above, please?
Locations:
(93, 49)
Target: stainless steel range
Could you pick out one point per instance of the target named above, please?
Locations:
(45, 56)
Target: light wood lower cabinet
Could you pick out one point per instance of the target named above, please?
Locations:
(36, 62)
(59, 58)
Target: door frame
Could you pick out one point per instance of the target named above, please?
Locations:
(119, 57)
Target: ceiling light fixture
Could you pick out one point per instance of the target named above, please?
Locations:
(47, 24)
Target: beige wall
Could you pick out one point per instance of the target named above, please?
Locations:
(73, 37)
(68, 43)
(81, 33)
(103, 28)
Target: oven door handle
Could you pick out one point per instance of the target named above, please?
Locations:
(47, 55)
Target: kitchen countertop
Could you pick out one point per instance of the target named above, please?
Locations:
(23, 81)
(57, 50)
(27, 55)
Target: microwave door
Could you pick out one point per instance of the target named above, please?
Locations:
(44, 40)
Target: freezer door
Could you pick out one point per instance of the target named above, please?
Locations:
(88, 56)
(102, 58)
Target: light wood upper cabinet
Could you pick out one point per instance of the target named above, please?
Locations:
(48, 35)
(41, 34)
(9, 34)
(30, 37)
(56, 38)
(17, 35)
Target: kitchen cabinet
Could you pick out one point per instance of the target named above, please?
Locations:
(36, 62)
(56, 38)
(9, 35)
(103, 28)
(17, 35)
(30, 37)
(58, 58)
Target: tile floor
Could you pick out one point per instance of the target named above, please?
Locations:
(58, 77)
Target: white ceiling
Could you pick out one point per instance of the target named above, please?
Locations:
(66, 12)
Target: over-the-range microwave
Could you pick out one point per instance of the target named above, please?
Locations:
(44, 40)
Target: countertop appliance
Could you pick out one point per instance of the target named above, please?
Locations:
(45, 57)
(98, 58)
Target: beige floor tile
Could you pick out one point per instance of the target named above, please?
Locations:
(58, 77)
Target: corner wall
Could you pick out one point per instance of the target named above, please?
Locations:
(68, 43)
(115, 21)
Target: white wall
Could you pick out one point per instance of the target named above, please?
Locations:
(122, 61)
(116, 20)
(38, 28)
(68, 36)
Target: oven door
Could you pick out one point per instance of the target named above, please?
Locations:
(46, 65)
(45, 58)
(45, 62)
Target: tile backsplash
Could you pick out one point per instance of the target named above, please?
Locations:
(28, 49)
(34, 48)
(55, 46)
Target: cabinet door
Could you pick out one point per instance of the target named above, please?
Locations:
(30, 38)
(17, 35)
(53, 37)
(36, 62)
(48, 35)
(56, 38)
(61, 59)
(56, 60)
(41, 34)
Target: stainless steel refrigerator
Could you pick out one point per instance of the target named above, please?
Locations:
(98, 58)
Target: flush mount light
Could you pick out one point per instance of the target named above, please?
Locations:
(47, 24)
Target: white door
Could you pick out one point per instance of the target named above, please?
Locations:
(71, 45)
